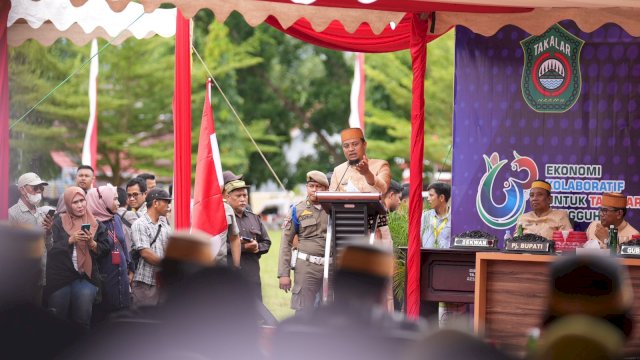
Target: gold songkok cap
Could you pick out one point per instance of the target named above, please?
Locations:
(367, 260)
(616, 200)
(541, 185)
(351, 133)
(193, 247)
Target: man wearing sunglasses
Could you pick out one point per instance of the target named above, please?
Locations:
(27, 213)
(612, 212)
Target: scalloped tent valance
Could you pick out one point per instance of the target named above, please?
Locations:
(481, 16)
(47, 20)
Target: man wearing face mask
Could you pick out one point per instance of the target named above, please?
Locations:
(27, 213)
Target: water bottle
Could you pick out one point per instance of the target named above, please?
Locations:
(613, 240)
(507, 236)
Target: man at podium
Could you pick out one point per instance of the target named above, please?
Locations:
(361, 174)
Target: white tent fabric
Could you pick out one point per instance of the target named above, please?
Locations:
(588, 14)
(48, 20)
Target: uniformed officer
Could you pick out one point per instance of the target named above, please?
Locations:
(307, 220)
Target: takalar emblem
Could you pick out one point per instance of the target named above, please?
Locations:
(551, 80)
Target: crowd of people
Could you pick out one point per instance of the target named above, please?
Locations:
(103, 273)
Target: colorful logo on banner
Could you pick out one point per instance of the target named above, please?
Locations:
(551, 80)
(505, 215)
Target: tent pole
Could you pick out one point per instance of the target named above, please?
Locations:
(182, 125)
(418, 48)
(5, 6)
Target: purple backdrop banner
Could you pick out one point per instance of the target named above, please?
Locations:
(501, 144)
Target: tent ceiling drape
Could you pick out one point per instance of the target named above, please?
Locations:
(47, 20)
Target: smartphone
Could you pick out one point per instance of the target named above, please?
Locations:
(51, 212)
(85, 227)
(245, 239)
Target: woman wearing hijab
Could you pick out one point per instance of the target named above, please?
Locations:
(117, 269)
(72, 269)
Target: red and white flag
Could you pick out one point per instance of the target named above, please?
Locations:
(208, 208)
(356, 118)
(90, 146)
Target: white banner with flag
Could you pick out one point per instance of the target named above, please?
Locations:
(90, 145)
(356, 117)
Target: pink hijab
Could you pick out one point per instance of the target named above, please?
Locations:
(100, 201)
(73, 222)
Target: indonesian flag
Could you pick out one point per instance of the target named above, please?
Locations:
(208, 208)
(90, 146)
(356, 118)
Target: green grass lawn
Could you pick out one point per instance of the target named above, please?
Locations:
(276, 300)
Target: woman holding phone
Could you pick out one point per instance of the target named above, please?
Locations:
(72, 270)
(117, 268)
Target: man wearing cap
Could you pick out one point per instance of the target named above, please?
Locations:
(543, 220)
(612, 212)
(254, 237)
(27, 213)
(361, 174)
(149, 237)
(26, 210)
(309, 221)
(232, 244)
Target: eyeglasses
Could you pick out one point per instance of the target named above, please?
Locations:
(133, 195)
(604, 211)
(37, 187)
(355, 145)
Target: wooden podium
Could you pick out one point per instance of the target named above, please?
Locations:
(511, 293)
(348, 223)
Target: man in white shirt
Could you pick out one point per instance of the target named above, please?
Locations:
(435, 225)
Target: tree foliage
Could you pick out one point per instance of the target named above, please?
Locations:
(281, 88)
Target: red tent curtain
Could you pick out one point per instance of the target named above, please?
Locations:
(4, 111)
(419, 27)
(335, 36)
(182, 125)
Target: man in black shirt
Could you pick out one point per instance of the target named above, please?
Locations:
(254, 237)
